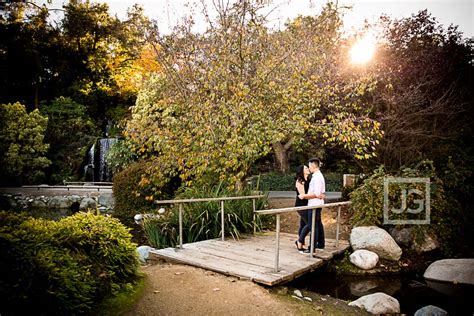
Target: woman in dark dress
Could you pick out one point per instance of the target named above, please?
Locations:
(301, 186)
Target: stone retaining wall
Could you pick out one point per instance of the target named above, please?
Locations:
(62, 204)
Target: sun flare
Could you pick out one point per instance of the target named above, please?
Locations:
(363, 50)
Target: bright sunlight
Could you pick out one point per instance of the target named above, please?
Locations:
(363, 50)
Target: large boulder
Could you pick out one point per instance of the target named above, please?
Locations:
(364, 259)
(377, 303)
(431, 310)
(377, 240)
(451, 270)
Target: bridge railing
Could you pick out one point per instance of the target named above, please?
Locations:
(279, 211)
(222, 211)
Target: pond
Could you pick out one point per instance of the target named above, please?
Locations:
(411, 291)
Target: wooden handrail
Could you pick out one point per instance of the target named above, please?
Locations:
(300, 208)
(278, 211)
(221, 199)
(226, 198)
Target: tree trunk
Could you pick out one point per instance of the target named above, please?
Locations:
(281, 155)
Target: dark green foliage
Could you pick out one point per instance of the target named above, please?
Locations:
(135, 192)
(130, 197)
(446, 220)
(70, 131)
(274, 182)
(202, 220)
(286, 182)
(62, 267)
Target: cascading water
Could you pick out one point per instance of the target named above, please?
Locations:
(89, 167)
(104, 170)
(96, 168)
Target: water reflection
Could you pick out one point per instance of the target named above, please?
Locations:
(411, 292)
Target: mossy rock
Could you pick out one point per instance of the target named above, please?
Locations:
(344, 266)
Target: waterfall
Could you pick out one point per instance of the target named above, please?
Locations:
(96, 169)
(89, 167)
(104, 170)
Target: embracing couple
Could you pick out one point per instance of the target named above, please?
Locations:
(310, 190)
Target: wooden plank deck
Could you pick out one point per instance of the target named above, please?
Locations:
(252, 257)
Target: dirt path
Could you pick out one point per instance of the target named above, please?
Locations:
(173, 289)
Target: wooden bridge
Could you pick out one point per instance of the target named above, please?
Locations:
(252, 257)
(268, 258)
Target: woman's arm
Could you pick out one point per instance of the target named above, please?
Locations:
(299, 187)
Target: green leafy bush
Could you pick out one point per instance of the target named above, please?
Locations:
(22, 147)
(135, 189)
(368, 202)
(202, 220)
(286, 182)
(63, 267)
(120, 156)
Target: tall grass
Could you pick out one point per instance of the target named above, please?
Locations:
(202, 220)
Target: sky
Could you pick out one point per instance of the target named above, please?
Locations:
(168, 12)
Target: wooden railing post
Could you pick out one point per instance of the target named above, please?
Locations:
(222, 220)
(254, 218)
(180, 225)
(313, 220)
(277, 243)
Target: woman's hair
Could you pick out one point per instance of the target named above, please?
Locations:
(300, 174)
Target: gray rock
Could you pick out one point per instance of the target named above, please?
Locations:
(402, 236)
(58, 202)
(364, 259)
(431, 310)
(38, 204)
(429, 243)
(102, 209)
(362, 287)
(88, 203)
(74, 198)
(451, 270)
(143, 253)
(377, 240)
(106, 199)
(378, 303)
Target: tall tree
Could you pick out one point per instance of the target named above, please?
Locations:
(228, 96)
(424, 98)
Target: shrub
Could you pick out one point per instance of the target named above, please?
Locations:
(286, 182)
(22, 147)
(273, 182)
(368, 200)
(134, 193)
(202, 220)
(63, 267)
